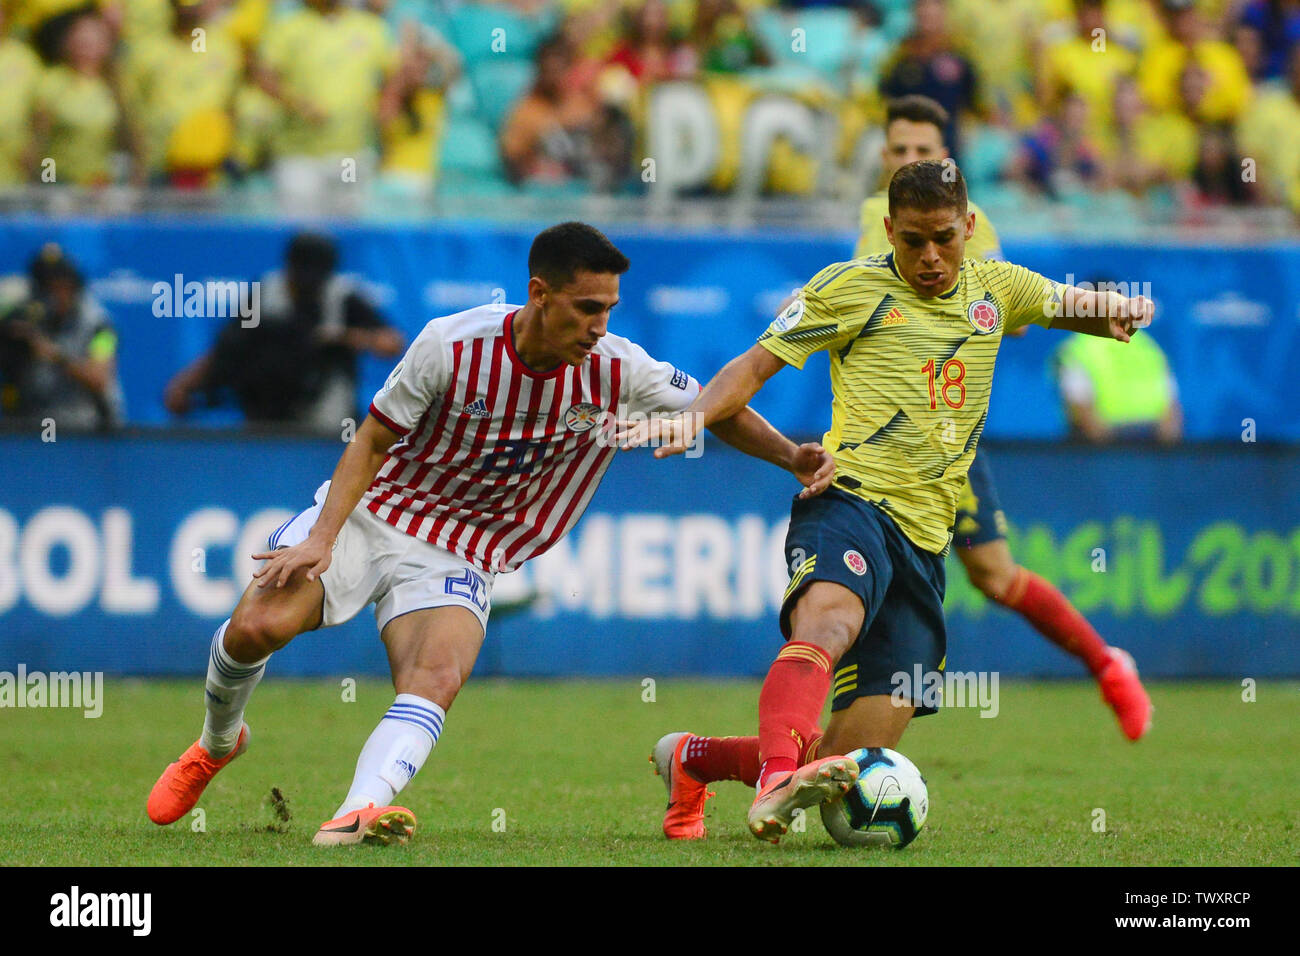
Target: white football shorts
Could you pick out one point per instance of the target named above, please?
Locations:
(399, 573)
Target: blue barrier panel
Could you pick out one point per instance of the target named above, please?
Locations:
(123, 555)
(1228, 317)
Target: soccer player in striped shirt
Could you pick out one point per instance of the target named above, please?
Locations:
(481, 451)
(912, 336)
(914, 128)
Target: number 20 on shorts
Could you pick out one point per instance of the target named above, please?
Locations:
(954, 377)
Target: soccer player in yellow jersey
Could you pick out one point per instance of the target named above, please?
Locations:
(912, 336)
(914, 128)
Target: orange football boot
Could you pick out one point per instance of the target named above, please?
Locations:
(1121, 688)
(684, 818)
(378, 824)
(814, 783)
(183, 782)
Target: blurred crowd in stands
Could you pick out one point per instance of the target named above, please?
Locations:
(1194, 102)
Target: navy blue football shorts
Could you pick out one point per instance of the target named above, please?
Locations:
(842, 538)
(979, 513)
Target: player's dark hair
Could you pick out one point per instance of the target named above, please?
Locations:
(926, 186)
(917, 109)
(560, 252)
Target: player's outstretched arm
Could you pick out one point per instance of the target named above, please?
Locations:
(356, 469)
(726, 394)
(751, 433)
(1103, 313)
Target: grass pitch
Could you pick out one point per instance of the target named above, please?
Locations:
(557, 773)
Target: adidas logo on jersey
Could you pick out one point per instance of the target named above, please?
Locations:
(476, 409)
(894, 317)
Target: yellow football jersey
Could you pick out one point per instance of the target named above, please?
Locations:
(169, 82)
(83, 116)
(983, 244)
(20, 71)
(910, 376)
(338, 64)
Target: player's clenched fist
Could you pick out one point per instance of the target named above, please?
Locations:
(814, 466)
(1134, 313)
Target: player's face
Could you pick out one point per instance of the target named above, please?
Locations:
(929, 247)
(576, 316)
(908, 142)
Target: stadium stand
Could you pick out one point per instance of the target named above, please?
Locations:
(1148, 106)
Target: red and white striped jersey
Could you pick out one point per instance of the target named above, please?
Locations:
(497, 462)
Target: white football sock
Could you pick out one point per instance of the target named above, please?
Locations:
(395, 752)
(229, 686)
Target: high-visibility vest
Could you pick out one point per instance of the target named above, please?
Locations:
(1130, 382)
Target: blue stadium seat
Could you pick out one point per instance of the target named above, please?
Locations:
(771, 26)
(473, 29)
(465, 186)
(429, 13)
(1098, 210)
(828, 33)
(460, 98)
(470, 147)
(555, 190)
(986, 150)
(498, 83)
(1015, 210)
(896, 18)
(470, 163)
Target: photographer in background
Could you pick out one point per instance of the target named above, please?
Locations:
(57, 350)
(298, 363)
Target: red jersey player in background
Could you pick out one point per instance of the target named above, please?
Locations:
(480, 451)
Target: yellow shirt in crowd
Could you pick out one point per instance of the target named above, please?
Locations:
(337, 64)
(83, 117)
(1269, 133)
(169, 82)
(1228, 90)
(20, 71)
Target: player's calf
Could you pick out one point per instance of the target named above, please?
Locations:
(431, 652)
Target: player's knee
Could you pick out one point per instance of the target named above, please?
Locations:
(439, 683)
(833, 633)
(256, 630)
(829, 617)
(993, 578)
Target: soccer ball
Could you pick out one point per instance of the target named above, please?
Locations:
(886, 807)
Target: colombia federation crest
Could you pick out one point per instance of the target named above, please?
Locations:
(983, 316)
